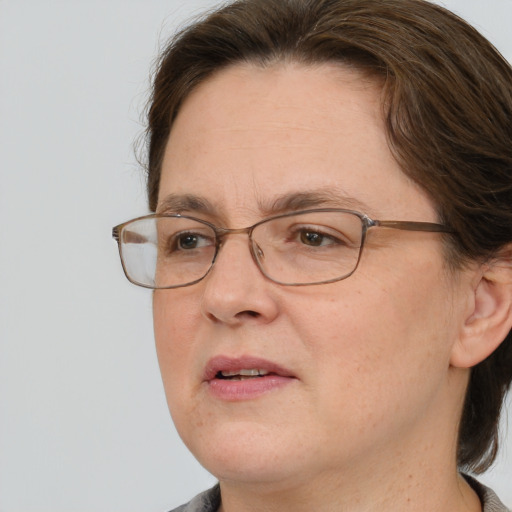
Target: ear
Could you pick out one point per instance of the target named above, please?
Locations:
(490, 317)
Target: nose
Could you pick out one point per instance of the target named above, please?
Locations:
(235, 290)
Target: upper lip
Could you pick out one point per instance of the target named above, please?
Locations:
(229, 364)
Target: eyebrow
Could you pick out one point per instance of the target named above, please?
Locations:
(293, 201)
(177, 203)
(320, 198)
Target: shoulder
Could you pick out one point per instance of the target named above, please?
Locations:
(207, 501)
(490, 502)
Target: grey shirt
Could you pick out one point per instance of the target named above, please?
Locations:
(209, 501)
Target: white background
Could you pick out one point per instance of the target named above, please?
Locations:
(83, 420)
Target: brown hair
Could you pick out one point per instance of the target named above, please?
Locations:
(448, 111)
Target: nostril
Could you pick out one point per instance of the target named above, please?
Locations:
(252, 314)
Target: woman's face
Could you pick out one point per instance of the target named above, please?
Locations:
(360, 368)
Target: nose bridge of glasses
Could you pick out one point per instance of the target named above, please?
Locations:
(221, 234)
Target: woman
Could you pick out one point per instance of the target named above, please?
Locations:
(354, 355)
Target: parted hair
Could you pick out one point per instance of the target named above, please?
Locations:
(447, 106)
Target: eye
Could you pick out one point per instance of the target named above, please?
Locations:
(189, 241)
(314, 238)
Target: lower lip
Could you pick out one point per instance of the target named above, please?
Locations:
(238, 390)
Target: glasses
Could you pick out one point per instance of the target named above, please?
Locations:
(294, 249)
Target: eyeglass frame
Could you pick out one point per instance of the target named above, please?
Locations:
(220, 233)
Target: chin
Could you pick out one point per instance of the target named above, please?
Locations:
(244, 452)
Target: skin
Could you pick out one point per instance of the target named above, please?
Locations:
(370, 420)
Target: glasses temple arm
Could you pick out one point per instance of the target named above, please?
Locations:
(411, 226)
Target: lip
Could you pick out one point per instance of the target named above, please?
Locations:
(238, 390)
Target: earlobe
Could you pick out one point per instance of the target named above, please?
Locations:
(490, 318)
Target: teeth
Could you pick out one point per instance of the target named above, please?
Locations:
(245, 373)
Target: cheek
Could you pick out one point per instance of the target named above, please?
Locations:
(176, 316)
(175, 322)
(377, 343)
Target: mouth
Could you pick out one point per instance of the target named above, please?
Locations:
(235, 379)
(242, 368)
(242, 374)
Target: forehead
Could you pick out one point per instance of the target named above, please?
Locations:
(249, 135)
